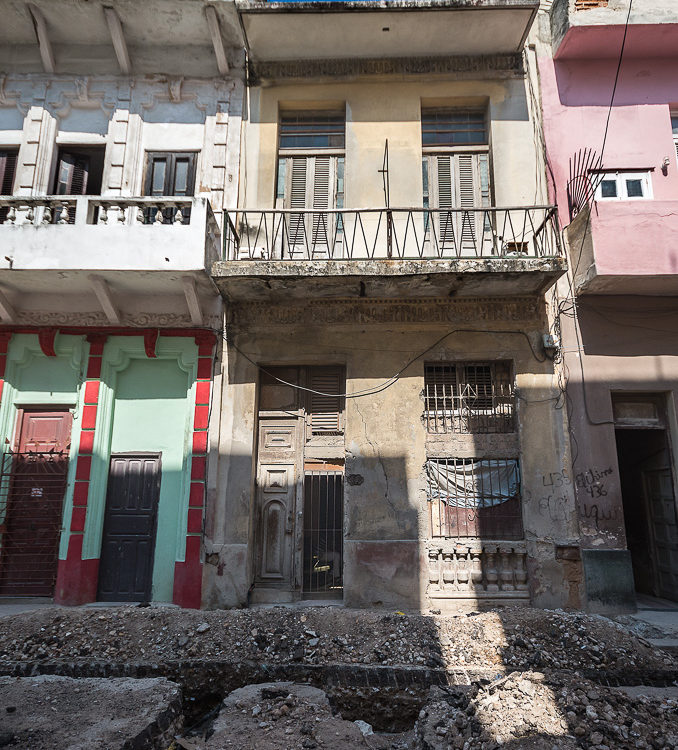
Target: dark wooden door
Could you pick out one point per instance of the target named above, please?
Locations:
(169, 174)
(126, 565)
(31, 495)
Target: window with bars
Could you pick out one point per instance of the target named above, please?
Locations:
(471, 497)
(455, 175)
(8, 161)
(469, 397)
(311, 178)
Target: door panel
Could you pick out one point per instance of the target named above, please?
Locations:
(32, 489)
(126, 565)
(664, 528)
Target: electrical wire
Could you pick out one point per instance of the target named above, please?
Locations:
(394, 378)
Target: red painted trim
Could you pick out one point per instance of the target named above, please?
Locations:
(100, 333)
(47, 340)
(150, 341)
(80, 492)
(198, 468)
(194, 521)
(188, 576)
(202, 392)
(201, 417)
(77, 579)
(205, 368)
(92, 392)
(197, 496)
(94, 367)
(89, 417)
(5, 338)
(87, 442)
(78, 519)
(200, 442)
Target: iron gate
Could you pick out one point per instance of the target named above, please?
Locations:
(32, 488)
(323, 533)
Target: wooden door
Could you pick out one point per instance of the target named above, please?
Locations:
(128, 545)
(169, 174)
(661, 507)
(278, 495)
(31, 503)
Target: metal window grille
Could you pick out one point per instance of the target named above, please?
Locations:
(312, 130)
(323, 538)
(469, 397)
(477, 498)
(453, 127)
(32, 488)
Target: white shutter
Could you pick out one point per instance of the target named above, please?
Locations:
(442, 196)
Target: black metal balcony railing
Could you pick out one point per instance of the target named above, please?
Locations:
(396, 233)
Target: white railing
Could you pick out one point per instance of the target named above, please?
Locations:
(64, 209)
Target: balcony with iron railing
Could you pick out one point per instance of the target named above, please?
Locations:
(389, 252)
(68, 246)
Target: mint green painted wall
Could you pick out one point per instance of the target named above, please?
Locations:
(150, 414)
(146, 405)
(32, 379)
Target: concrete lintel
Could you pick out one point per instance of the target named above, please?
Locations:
(217, 41)
(46, 52)
(7, 309)
(103, 294)
(192, 301)
(118, 39)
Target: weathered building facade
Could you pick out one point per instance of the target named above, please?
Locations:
(119, 143)
(611, 126)
(391, 425)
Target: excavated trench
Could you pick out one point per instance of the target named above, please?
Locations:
(388, 698)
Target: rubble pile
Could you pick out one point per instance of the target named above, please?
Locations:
(529, 710)
(286, 716)
(517, 638)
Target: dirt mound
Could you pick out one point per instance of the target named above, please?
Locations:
(529, 710)
(518, 638)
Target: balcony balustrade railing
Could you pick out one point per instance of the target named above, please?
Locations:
(65, 209)
(392, 233)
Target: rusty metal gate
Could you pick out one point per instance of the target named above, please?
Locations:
(323, 536)
(32, 488)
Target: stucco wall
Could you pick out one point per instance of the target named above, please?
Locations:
(376, 112)
(386, 523)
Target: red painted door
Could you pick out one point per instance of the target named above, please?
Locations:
(32, 487)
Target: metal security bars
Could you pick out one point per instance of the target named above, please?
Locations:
(32, 487)
(469, 397)
(385, 233)
(323, 537)
(477, 498)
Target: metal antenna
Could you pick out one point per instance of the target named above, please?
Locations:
(385, 176)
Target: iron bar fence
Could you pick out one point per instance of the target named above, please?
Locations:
(392, 233)
(32, 488)
(476, 498)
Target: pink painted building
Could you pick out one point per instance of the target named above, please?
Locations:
(612, 153)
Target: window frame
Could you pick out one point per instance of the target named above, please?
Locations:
(620, 176)
(149, 155)
(453, 416)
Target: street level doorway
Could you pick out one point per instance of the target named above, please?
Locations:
(648, 497)
(33, 481)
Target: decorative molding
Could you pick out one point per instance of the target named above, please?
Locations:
(497, 66)
(321, 312)
(136, 320)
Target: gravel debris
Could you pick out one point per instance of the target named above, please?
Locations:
(515, 638)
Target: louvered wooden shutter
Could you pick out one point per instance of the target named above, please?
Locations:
(325, 411)
(469, 197)
(297, 169)
(322, 198)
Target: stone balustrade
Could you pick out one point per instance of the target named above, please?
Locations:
(477, 569)
(58, 209)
